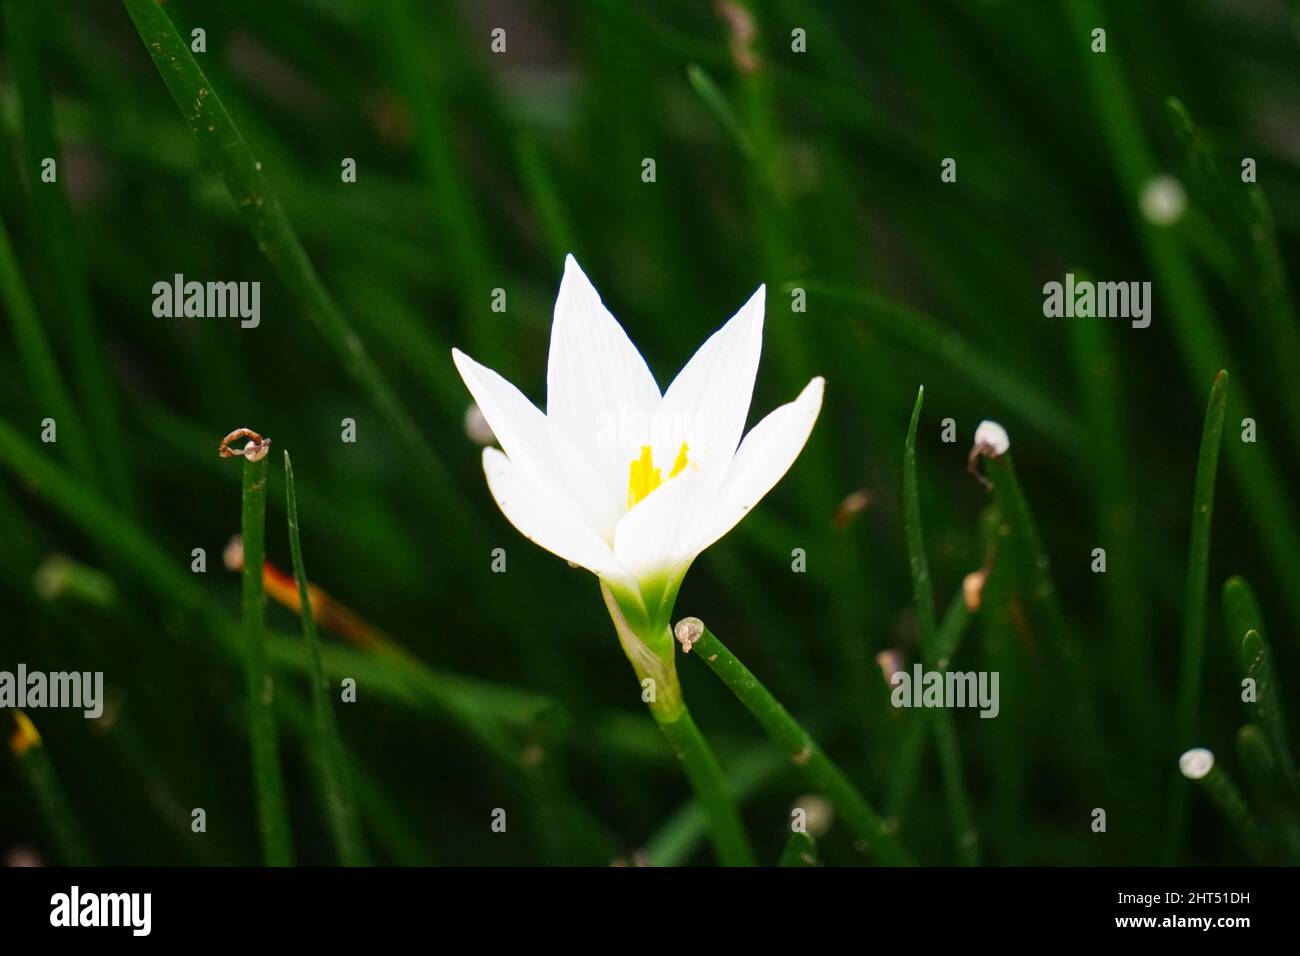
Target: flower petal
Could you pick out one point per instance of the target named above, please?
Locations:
(538, 518)
(544, 455)
(764, 457)
(598, 387)
(707, 404)
(668, 529)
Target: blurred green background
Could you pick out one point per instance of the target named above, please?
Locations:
(478, 170)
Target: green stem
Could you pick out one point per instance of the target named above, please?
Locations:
(658, 678)
(711, 790)
(1032, 566)
(1225, 795)
(339, 804)
(820, 771)
(272, 814)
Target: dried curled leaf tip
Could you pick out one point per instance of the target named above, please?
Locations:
(688, 631)
(255, 450)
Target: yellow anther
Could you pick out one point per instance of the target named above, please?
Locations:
(644, 477)
(679, 462)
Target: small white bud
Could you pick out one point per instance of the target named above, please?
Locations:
(992, 438)
(1196, 763)
(1163, 200)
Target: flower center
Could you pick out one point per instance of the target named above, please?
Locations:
(644, 477)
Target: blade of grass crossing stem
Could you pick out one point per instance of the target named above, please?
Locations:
(258, 205)
(272, 811)
(1248, 644)
(38, 770)
(340, 807)
(808, 757)
(945, 733)
(1198, 564)
(800, 850)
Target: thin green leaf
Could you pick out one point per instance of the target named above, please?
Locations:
(335, 787)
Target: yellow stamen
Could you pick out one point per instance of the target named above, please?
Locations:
(644, 477)
(679, 463)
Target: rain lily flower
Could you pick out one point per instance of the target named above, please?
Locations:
(621, 479)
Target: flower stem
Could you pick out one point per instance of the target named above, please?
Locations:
(711, 790)
(789, 735)
(658, 676)
(272, 815)
(1223, 793)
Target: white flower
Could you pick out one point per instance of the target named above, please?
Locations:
(620, 479)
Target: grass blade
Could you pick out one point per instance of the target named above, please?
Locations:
(339, 805)
(964, 834)
(1247, 642)
(1198, 563)
(272, 810)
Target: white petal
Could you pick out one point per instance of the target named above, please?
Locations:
(598, 387)
(540, 520)
(765, 455)
(542, 453)
(668, 528)
(707, 404)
